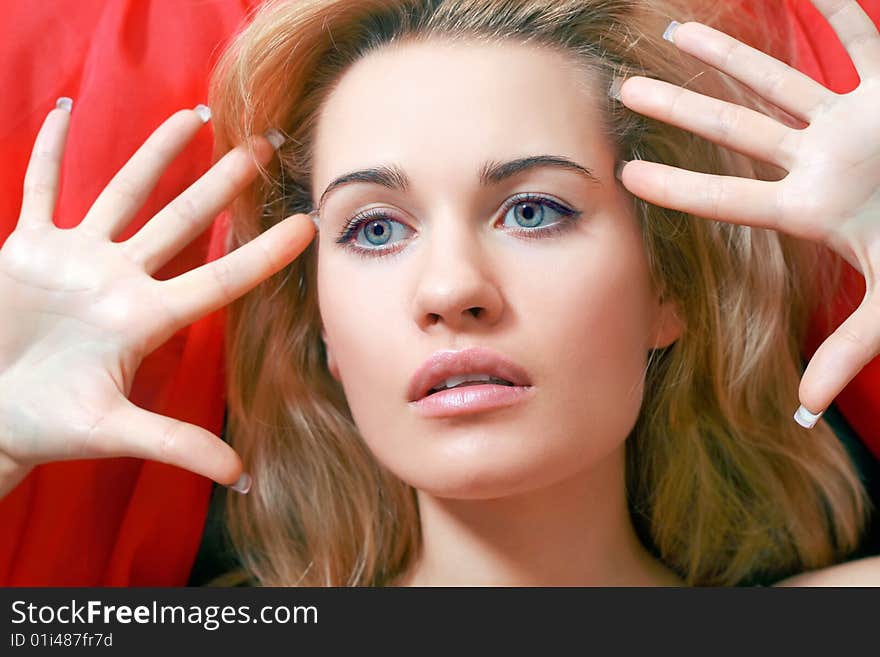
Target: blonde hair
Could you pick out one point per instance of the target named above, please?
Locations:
(723, 485)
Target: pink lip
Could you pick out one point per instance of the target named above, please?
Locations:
(472, 398)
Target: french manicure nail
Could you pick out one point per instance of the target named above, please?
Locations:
(64, 103)
(670, 30)
(204, 112)
(618, 171)
(275, 138)
(315, 221)
(614, 89)
(806, 419)
(243, 485)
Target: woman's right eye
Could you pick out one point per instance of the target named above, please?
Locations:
(371, 232)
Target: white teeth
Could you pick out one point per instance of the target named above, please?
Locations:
(453, 381)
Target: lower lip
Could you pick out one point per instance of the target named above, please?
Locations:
(471, 399)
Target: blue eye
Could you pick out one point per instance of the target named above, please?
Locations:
(532, 211)
(378, 232)
(369, 233)
(373, 230)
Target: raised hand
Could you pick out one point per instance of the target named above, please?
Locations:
(80, 311)
(831, 194)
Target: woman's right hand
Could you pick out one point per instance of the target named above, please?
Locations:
(80, 311)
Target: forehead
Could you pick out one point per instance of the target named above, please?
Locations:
(439, 106)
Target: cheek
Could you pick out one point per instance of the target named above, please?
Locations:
(590, 323)
(595, 306)
(361, 312)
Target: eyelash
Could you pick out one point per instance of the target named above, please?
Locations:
(569, 217)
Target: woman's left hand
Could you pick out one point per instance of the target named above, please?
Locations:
(832, 191)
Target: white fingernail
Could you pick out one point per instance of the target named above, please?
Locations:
(670, 30)
(614, 89)
(806, 419)
(64, 103)
(315, 221)
(275, 138)
(243, 485)
(204, 112)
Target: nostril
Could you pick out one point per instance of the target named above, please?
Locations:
(476, 311)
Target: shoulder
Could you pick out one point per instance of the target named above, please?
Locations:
(861, 572)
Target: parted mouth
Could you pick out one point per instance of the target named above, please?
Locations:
(473, 366)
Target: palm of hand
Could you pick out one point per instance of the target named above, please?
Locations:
(842, 144)
(831, 193)
(87, 309)
(82, 325)
(104, 299)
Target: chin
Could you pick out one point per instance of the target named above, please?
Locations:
(470, 469)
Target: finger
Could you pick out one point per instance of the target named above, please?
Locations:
(132, 431)
(775, 81)
(739, 128)
(216, 284)
(44, 168)
(856, 32)
(724, 198)
(120, 201)
(844, 353)
(189, 214)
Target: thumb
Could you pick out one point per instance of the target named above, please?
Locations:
(854, 344)
(129, 430)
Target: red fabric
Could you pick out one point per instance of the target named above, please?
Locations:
(128, 64)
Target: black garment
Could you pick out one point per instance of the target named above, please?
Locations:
(868, 468)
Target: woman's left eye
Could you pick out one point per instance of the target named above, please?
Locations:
(530, 211)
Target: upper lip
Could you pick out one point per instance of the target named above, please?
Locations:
(476, 360)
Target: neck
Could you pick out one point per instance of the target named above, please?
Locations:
(576, 532)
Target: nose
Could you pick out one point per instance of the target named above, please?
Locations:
(456, 286)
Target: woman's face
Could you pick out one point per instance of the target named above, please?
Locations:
(451, 256)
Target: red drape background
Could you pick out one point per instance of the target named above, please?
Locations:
(128, 64)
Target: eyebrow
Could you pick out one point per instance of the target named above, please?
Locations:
(491, 173)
